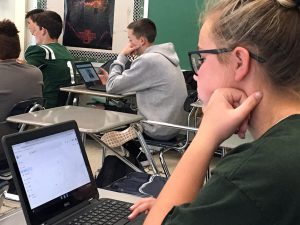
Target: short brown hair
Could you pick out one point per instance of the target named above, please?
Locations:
(49, 20)
(9, 40)
(144, 28)
(30, 13)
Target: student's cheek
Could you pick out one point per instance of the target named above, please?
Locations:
(204, 90)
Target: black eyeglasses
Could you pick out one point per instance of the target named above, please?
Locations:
(196, 59)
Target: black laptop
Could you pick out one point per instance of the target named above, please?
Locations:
(89, 76)
(54, 181)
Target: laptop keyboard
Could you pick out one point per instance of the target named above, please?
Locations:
(108, 212)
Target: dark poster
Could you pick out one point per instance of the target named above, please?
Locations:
(89, 23)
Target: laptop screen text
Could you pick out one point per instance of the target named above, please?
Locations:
(51, 167)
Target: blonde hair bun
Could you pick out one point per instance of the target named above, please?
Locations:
(289, 3)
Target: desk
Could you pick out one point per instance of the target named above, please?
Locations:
(90, 121)
(17, 218)
(232, 142)
(81, 89)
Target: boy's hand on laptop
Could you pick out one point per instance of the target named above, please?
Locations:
(103, 75)
(142, 205)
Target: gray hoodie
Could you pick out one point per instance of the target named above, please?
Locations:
(159, 84)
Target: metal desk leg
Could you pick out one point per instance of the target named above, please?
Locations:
(192, 113)
(70, 97)
(146, 151)
(73, 99)
(163, 163)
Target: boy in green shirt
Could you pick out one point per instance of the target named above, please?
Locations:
(52, 58)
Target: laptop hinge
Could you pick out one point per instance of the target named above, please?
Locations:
(68, 213)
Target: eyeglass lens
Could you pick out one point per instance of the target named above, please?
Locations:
(196, 62)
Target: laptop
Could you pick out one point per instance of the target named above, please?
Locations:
(89, 76)
(54, 181)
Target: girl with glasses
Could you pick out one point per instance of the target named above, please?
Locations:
(248, 77)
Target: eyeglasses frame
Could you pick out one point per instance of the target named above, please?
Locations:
(219, 51)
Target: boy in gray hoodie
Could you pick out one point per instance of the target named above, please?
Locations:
(155, 76)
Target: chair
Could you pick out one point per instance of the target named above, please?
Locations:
(179, 143)
(5, 129)
(29, 105)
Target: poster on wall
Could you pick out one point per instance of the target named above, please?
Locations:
(95, 29)
(89, 23)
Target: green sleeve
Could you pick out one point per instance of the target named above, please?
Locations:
(220, 202)
(35, 55)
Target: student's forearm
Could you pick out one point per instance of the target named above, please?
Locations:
(186, 180)
(188, 176)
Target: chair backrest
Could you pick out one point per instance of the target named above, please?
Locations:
(181, 141)
(29, 105)
(192, 97)
(191, 84)
(62, 98)
(5, 129)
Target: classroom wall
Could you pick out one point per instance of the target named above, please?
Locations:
(123, 15)
(15, 10)
(177, 21)
(7, 8)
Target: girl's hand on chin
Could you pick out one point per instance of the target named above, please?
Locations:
(227, 112)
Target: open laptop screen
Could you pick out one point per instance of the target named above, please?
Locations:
(47, 166)
(51, 170)
(87, 71)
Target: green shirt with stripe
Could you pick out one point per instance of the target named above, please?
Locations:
(55, 63)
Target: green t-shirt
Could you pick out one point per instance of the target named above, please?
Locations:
(254, 184)
(56, 61)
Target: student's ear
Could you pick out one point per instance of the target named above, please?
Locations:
(44, 31)
(242, 61)
(143, 40)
